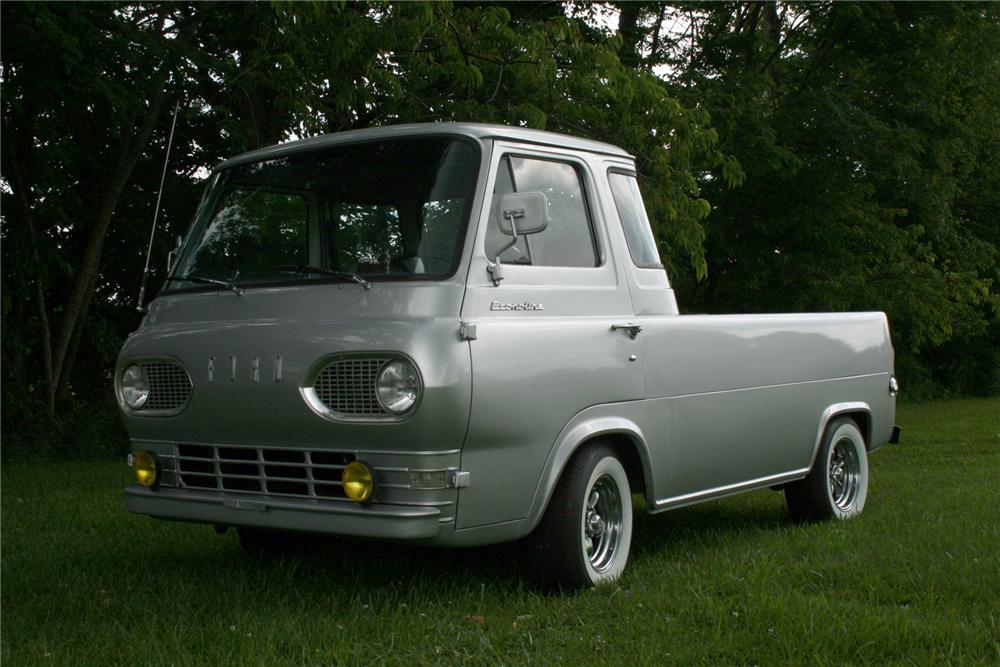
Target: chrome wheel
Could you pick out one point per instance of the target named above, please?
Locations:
(845, 473)
(585, 535)
(837, 484)
(602, 523)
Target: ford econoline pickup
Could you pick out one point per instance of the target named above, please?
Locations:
(462, 334)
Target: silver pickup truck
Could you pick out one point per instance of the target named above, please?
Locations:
(462, 334)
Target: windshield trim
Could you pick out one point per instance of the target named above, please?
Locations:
(207, 201)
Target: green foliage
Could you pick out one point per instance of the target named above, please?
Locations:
(867, 134)
(799, 156)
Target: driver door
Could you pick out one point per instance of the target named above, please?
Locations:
(544, 348)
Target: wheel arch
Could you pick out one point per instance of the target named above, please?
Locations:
(621, 434)
(859, 412)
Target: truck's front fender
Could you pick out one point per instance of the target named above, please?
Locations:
(610, 422)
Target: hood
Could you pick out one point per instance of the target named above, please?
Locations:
(248, 358)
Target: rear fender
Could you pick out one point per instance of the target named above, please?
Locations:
(837, 410)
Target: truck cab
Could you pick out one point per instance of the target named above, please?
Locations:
(462, 334)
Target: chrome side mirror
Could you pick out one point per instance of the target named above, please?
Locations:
(520, 214)
(523, 213)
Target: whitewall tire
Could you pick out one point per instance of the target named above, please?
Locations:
(837, 484)
(585, 535)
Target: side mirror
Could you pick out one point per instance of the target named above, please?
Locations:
(520, 213)
(172, 255)
(523, 213)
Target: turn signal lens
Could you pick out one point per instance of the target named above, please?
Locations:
(358, 481)
(146, 467)
(429, 479)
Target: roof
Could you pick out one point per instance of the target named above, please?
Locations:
(475, 130)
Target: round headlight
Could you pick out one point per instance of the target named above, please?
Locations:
(398, 386)
(135, 387)
(358, 481)
(146, 469)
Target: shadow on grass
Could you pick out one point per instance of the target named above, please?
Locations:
(709, 526)
(384, 564)
(306, 564)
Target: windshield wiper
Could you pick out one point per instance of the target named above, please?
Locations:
(208, 281)
(302, 268)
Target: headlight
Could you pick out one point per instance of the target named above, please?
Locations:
(135, 387)
(398, 386)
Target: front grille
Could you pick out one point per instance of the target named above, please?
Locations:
(169, 385)
(281, 472)
(346, 386)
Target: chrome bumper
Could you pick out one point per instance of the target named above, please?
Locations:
(394, 522)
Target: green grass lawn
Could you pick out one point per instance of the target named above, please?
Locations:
(915, 580)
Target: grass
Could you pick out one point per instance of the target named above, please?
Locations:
(915, 580)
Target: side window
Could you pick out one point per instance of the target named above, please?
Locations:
(569, 239)
(635, 224)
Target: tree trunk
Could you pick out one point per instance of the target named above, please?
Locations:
(17, 168)
(631, 35)
(86, 277)
(772, 35)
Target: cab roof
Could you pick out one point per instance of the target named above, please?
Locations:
(481, 131)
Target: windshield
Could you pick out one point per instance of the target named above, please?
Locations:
(383, 210)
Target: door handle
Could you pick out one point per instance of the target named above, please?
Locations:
(632, 330)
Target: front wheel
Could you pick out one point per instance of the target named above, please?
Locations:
(585, 535)
(837, 485)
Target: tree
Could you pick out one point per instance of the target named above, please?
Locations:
(866, 135)
(68, 157)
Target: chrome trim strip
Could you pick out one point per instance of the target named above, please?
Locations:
(833, 411)
(173, 464)
(356, 452)
(287, 464)
(729, 490)
(774, 386)
(340, 506)
(422, 503)
(161, 359)
(312, 399)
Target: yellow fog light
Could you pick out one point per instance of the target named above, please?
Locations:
(146, 467)
(358, 481)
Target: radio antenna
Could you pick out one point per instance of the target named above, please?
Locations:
(156, 212)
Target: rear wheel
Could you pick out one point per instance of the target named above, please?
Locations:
(837, 485)
(585, 535)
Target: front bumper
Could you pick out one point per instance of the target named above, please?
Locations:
(386, 521)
